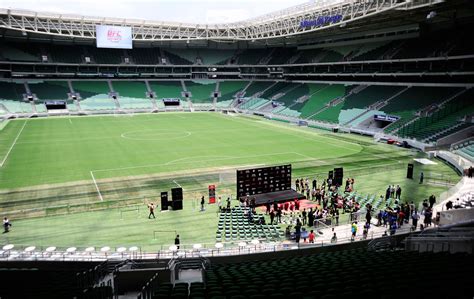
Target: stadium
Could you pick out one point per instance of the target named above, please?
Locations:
(320, 151)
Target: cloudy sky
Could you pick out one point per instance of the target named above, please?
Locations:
(189, 11)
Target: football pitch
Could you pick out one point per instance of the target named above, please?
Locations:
(75, 181)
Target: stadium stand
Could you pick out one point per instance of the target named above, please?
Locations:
(413, 99)
(343, 273)
(446, 117)
(132, 95)
(11, 96)
(325, 96)
(229, 90)
(466, 150)
(166, 89)
(257, 87)
(94, 95)
(201, 91)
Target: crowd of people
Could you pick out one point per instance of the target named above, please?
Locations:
(331, 203)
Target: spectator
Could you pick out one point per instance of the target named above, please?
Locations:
(421, 177)
(334, 238)
(311, 236)
(449, 205)
(432, 200)
(414, 219)
(353, 230)
(6, 225)
(176, 241)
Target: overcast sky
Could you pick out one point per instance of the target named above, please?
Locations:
(189, 11)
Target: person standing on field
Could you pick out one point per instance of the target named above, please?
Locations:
(151, 207)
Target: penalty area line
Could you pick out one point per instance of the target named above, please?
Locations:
(14, 142)
(174, 181)
(96, 186)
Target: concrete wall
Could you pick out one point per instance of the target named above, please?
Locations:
(455, 216)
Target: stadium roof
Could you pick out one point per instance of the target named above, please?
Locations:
(284, 24)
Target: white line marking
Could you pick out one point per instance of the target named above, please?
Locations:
(167, 163)
(97, 187)
(14, 142)
(316, 135)
(177, 184)
(70, 121)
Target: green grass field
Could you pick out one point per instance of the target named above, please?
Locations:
(65, 181)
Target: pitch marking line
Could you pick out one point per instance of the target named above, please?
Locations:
(176, 161)
(96, 187)
(14, 142)
(70, 121)
(316, 135)
(177, 184)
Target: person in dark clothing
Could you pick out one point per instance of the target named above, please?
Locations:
(297, 184)
(314, 184)
(421, 177)
(310, 217)
(228, 204)
(368, 217)
(6, 225)
(298, 231)
(449, 205)
(176, 241)
(272, 216)
(432, 200)
(398, 192)
(387, 193)
(336, 215)
(279, 215)
(268, 206)
(275, 206)
(202, 203)
(303, 215)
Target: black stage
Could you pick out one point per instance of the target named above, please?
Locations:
(279, 196)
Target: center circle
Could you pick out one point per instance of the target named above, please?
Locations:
(155, 134)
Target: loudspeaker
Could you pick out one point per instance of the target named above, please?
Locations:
(338, 175)
(177, 205)
(177, 194)
(410, 171)
(164, 201)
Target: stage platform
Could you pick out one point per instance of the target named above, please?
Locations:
(279, 196)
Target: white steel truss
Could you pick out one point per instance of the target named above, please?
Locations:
(285, 23)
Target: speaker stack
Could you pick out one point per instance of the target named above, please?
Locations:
(177, 198)
(338, 176)
(164, 201)
(410, 171)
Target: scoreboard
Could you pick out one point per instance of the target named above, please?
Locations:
(263, 180)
